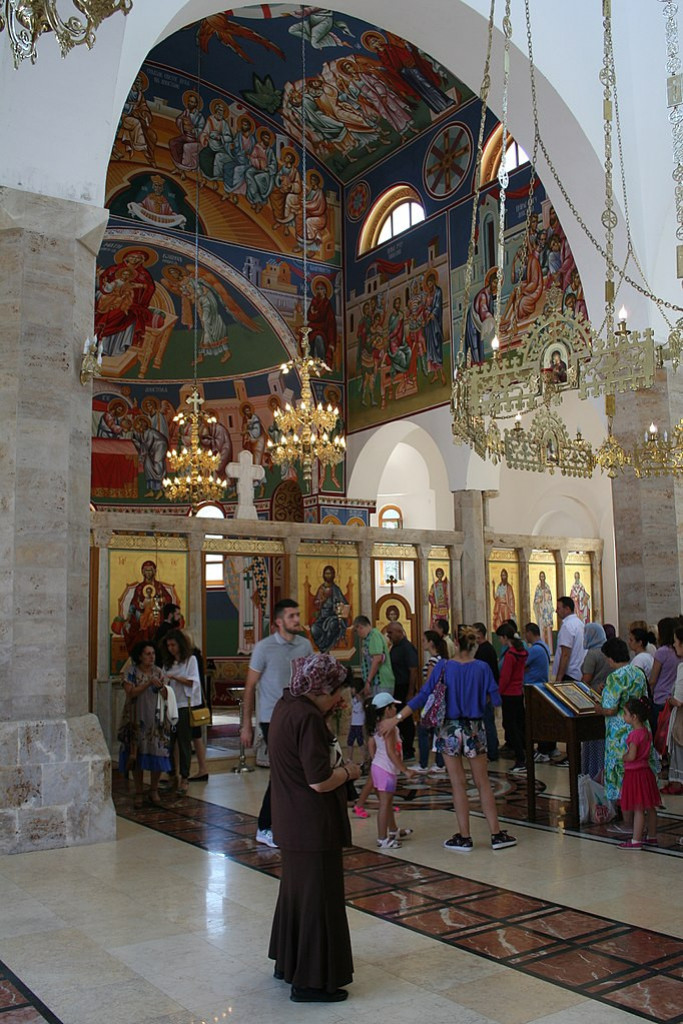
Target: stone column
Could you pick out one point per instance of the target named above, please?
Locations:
(195, 611)
(597, 609)
(524, 612)
(365, 555)
(469, 519)
(648, 513)
(455, 558)
(55, 772)
(291, 548)
(102, 538)
(561, 563)
(423, 563)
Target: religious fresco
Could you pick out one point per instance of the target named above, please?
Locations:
(540, 274)
(133, 431)
(398, 328)
(247, 309)
(543, 593)
(578, 583)
(328, 595)
(185, 154)
(503, 588)
(142, 579)
(361, 90)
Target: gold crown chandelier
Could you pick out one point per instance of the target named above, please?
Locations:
(306, 431)
(27, 20)
(517, 381)
(193, 476)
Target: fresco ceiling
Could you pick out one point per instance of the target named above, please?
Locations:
(366, 90)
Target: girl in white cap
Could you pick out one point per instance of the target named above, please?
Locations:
(387, 761)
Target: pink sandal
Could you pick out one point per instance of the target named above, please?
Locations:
(360, 812)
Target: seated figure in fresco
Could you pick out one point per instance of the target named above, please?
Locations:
(329, 628)
(146, 606)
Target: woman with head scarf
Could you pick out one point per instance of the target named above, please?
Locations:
(594, 672)
(310, 940)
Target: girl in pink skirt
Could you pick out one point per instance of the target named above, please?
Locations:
(639, 791)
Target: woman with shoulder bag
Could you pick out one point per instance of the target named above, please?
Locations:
(145, 742)
(182, 672)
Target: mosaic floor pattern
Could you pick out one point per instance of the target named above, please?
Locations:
(635, 969)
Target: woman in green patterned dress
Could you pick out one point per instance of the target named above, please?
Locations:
(623, 683)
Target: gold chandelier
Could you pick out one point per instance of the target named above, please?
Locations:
(195, 478)
(306, 431)
(517, 381)
(27, 20)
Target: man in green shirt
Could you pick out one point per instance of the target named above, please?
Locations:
(375, 661)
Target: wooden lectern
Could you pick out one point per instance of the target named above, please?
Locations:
(547, 718)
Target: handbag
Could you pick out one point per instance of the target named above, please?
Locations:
(435, 706)
(200, 716)
(662, 730)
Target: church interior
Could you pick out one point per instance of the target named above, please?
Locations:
(433, 210)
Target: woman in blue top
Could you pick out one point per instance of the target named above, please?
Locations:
(469, 684)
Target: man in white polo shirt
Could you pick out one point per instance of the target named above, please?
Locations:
(271, 668)
(569, 655)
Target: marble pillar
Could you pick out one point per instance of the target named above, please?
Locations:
(455, 559)
(469, 519)
(366, 569)
(55, 772)
(525, 612)
(648, 513)
(195, 611)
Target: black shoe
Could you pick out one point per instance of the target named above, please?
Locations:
(317, 995)
(278, 975)
(199, 778)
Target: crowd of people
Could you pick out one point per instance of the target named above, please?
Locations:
(636, 685)
(163, 681)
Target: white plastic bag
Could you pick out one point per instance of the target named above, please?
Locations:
(593, 803)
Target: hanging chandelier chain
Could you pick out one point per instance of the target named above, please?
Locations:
(503, 176)
(661, 303)
(483, 96)
(609, 217)
(675, 99)
(303, 164)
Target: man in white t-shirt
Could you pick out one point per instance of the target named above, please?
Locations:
(569, 655)
(270, 667)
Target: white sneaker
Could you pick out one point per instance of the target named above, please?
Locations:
(419, 770)
(435, 770)
(265, 836)
(388, 843)
(540, 758)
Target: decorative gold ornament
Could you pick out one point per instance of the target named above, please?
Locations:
(91, 364)
(195, 480)
(27, 20)
(306, 431)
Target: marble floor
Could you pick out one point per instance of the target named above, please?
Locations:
(169, 924)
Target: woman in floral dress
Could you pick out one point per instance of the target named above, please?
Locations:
(146, 745)
(624, 682)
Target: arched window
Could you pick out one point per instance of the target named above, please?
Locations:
(391, 518)
(491, 157)
(397, 210)
(213, 561)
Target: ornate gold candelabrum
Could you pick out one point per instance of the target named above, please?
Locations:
(306, 431)
(194, 468)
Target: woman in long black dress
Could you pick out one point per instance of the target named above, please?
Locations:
(310, 940)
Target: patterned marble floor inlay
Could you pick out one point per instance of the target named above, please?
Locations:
(631, 968)
(18, 1004)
